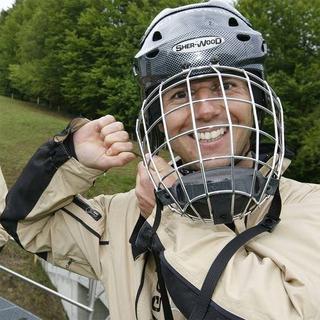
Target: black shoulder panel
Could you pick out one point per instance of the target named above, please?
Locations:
(29, 187)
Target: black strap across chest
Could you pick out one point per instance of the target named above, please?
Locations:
(201, 307)
(267, 224)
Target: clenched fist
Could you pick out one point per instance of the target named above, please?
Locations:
(103, 144)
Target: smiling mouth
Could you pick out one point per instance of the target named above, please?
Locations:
(210, 136)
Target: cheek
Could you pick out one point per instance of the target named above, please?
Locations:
(242, 114)
(177, 121)
(184, 148)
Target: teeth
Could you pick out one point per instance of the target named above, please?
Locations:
(212, 135)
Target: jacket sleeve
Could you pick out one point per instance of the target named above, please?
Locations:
(4, 237)
(45, 216)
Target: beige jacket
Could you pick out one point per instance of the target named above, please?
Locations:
(4, 237)
(276, 276)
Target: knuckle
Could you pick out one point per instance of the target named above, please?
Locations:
(110, 117)
(105, 130)
(103, 121)
(115, 147)
(130, 146)
(120, 147)
(122, 161)
(119, 125)
(125, 135)
(107, 140)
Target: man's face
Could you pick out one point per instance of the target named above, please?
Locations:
(219, 129)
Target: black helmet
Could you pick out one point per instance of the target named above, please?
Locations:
(197, 35)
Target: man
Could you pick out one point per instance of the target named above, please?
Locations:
(4, 237)
(209, 112)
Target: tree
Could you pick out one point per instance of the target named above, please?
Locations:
(10, 25)
(78, 54)
(98, 56)
(291, 30)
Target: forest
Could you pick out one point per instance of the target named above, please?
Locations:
(76, 56)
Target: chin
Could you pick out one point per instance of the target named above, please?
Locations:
(209, 164)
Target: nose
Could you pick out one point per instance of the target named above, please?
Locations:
(205, 108)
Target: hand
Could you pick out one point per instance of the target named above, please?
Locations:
(145, 188)
(144, 191)
(103, 144)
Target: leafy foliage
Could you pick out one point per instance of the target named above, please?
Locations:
(77, 54)
(291, 30)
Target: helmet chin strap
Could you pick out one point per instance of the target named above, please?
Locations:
(224, 205)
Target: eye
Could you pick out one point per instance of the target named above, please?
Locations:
(217, 87)
(181, 94)
(227, 85)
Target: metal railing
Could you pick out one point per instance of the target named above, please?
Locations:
(92, 291)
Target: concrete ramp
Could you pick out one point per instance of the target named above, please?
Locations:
(10, 311)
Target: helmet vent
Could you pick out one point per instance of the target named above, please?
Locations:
(243, 37)
(233, 22)
(157, 36)
(152, 54)
(185, 65)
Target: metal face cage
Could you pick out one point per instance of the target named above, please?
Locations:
(221, 130)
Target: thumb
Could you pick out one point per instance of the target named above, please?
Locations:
(160, 167)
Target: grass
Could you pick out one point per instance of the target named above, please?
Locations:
(23, 128)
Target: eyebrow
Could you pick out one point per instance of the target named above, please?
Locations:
(173, 90)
